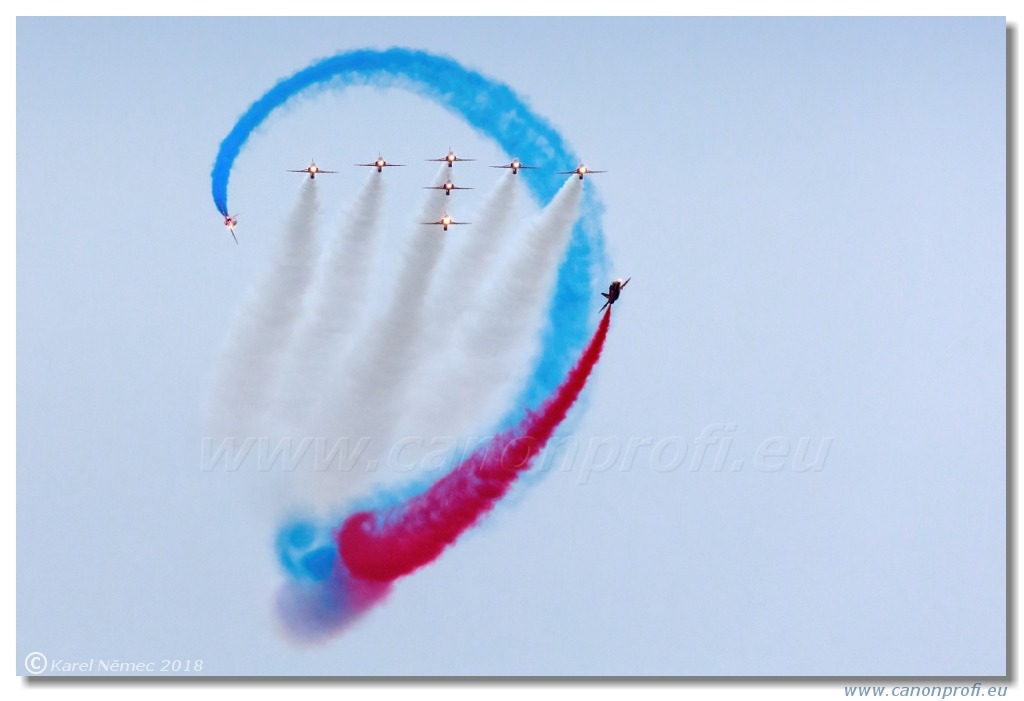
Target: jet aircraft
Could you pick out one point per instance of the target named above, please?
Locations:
(313, 171)
(444, 222)
(516, 166)
(614, 290)
(581, 170)
(450, 158)
(230, 221)
(380, 164)
(447, 187)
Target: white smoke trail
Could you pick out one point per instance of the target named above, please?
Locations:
(334, 305)
(477, 371)
(244, 374)
(373, 381)
(467, 264)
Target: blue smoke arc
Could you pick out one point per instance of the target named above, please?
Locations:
(496, 111)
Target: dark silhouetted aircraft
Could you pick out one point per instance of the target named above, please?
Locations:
(614, 290)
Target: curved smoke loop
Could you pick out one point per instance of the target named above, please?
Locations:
(565, 248)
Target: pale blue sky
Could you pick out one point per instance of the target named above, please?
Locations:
(812, 212)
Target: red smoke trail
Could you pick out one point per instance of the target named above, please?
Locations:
(385, 545)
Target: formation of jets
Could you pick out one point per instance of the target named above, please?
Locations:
(614, 289)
